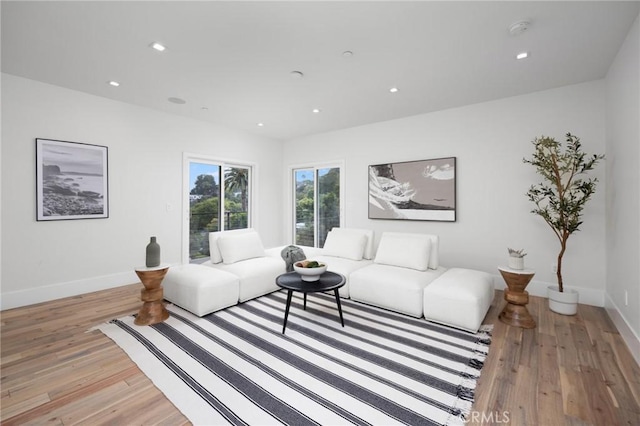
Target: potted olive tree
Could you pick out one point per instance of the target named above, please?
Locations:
(560, 199)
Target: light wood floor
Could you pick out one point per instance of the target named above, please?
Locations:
(568, 370)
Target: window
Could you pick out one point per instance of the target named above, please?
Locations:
(218, 199)
(317, 204)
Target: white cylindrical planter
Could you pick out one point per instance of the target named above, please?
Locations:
(516, 263)
(565, 303)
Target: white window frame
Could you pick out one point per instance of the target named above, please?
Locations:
(188, 158)
(291, 190)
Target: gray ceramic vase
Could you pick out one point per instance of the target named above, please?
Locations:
(153, 253)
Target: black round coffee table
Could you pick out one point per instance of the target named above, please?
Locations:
(328, 281)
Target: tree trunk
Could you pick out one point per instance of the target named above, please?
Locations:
(563, 244)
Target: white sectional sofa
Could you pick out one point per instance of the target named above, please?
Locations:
(404, 275)
(240, 253)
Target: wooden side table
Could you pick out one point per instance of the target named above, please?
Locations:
(152, 310)
(515, 312)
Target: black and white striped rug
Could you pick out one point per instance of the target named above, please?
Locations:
(235, 365)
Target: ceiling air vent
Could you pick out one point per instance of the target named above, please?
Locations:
(519, 27)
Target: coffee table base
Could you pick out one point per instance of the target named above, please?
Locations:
(286, 311)
(328, 281)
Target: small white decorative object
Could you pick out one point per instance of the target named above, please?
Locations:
(309, 270)
(516, 259)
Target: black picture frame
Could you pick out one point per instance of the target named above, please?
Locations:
(72, 180)
(413, 190)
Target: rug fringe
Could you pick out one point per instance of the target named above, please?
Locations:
(469, 383)
(476, 363)
(455, 413)
(469, 376)
(459, 413)
(486, 328)
(481, 350)
(484, 341)
(465, 393)
(459, 419)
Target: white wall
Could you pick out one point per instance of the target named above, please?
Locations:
(489, 141)
(48, 260)
(623, 190)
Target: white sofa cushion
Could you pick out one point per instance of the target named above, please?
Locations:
(214, 251)
(404, 250)
(236, 247)
(257, 276)
(398, 289)
(435, 245)
(368, 233)
(345, 244)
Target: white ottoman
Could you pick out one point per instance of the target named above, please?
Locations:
(459, 297)
(200, 289)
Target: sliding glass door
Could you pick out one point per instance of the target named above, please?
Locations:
(219, 197)
(317, 204)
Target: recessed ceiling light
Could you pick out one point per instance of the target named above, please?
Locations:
(316, 110)
(347, 53)
(159, 47)
(522, 55)
(114, 83)
(204, 108)
(260, 124)
(393, 90)
(296, 74)
(177, 101)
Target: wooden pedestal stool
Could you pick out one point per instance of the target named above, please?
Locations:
(152, 310)
(515, 312)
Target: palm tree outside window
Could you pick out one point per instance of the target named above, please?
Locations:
(219, 197)
(236, 184)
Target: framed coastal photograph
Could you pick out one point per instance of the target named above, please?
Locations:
(72, 180)
(413, 190)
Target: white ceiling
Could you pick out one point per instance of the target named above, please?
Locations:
(235, 58)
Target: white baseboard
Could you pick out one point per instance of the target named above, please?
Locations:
(539, 288)
(628, 335)
(16, 299)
